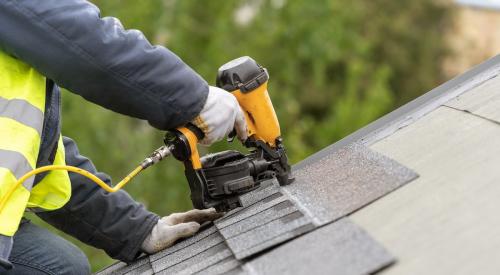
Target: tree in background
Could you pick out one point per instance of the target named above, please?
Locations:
(334, 65)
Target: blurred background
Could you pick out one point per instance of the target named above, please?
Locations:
(335, 66)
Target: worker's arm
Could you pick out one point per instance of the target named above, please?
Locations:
(95, 57)
(113, 222)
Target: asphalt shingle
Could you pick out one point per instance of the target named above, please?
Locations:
(267, 198)
(200, 261)
(177, 258)
(324, 191)
(201, 236)
(140, 266)
(482, 101)
(338, 184)
(274, 212)
(268, 219)
(338, 248)
(268, 235)
(227, 266)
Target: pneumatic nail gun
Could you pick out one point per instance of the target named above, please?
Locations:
(217, 180)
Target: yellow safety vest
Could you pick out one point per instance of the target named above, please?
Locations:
(22, 107)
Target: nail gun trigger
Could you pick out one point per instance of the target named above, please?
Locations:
(231, 136)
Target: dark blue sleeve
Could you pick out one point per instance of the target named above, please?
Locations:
(113, 222)
(95, 57)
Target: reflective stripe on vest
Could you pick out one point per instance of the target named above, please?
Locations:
(22, 106)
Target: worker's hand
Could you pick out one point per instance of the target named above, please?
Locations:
(175, 226)
(220, 115)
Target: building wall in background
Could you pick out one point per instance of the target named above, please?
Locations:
(475, 35)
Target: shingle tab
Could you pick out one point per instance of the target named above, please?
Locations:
(228, 265)
(270, 214)
(210, 242)
(267, 201)
(199, 237)
(338, 248)
(268, 235)
(269, 218)
(281, 238)
(200, 261)
(144, 269)
(338, 184)
(483, 100)
(113, 269)
(140, 266)
(266, 189)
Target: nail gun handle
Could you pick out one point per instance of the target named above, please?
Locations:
(259, 113)
(247, 81)
(184, 140)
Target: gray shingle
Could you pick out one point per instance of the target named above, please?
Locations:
(482, 101)
(268, 219)
(250, 211)
(144, 269)
(270, 214)
(338, 184)
(266, 189)
(228, 265)
(200, 261)
(268, 234)
(113, 269)
(236, 271)
(187, 252)
(281, 238)
(338, 248)
(200, 236)
(140, 266)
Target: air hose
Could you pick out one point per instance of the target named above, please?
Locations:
(154, 158)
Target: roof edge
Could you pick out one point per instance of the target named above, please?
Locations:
(413, 110)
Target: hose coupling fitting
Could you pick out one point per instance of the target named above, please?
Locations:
(157, 155)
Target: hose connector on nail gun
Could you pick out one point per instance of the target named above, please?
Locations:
(157, 155)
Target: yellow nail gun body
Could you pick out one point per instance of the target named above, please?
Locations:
(217, 180)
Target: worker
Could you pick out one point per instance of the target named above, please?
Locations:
(51, 43)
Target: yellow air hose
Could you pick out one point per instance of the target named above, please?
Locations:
(154, 158)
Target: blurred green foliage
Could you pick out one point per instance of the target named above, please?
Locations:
(335, 66)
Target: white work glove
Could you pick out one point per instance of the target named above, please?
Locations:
(175, 226)
(220, 115)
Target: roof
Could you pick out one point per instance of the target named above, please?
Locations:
(346, 212)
